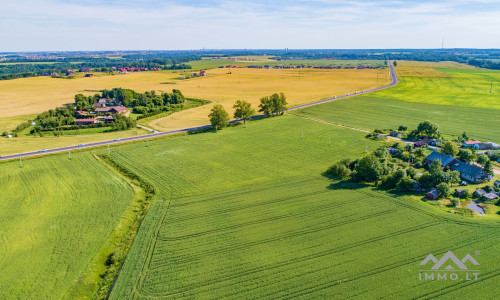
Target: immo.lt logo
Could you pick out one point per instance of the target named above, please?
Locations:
(449, 267)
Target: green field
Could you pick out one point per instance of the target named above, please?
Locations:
(458, 101)
(245, 213)
(468, 88)
(56, 215)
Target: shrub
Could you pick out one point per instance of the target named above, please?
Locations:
(339, 170)
(455, 201)
(444, 189)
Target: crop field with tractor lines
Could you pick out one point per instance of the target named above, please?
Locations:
(246, 213)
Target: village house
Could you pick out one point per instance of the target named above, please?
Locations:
(446, 160)
(496, 183)
(396, 134)
(113, 110)
(106, 119)
(469, 144)
(86, 121)
(469, 172)
(490, 196)
(483, 146)
(81, 113)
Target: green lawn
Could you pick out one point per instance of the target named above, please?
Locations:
(245, 213)
(55, 216)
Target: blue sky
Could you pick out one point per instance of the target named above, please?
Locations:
(28, 25)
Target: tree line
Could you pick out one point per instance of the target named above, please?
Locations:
(273, 105)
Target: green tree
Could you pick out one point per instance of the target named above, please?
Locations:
(243, 110)
(219, 118)
(421, 152)
(466, 155)
(274, 104)
(483, 159)
(488, 168)
(402, 128)
(450, 148)
(454, 177)
(369, 169)
(405, 185)
(435, 167)
(339, 170)
(395, 63)
(455, 202)
(443, 189)
(465, 136)
(428, 129)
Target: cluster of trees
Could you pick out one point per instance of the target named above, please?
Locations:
(53, 119)
(142, 103)
(391, 172)
(269, 105)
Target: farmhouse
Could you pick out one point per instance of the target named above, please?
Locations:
(86, 121)
(483, 146)
(446, 160)
(114, 110)
(82, 113)
(469, 144)
(469, 172)
(106, 119)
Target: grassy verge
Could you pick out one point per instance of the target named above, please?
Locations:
(104, 268)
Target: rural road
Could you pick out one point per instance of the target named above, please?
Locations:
(394, 81)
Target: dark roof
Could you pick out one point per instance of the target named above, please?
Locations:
(496, 183)
(480, 192)
(119, 108)
(445, 159)
(490, 196)
(484, 146)
(467, 169)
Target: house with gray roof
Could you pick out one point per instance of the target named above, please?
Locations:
(469, 172)
(446, 160)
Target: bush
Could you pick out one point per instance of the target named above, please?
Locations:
(455, 202)
(464, 211)
(466, 194)
(444, 189)
(339, 170)
(405, 185)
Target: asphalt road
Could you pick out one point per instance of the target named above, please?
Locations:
(394, 81)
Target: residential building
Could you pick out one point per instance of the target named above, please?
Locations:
(446, 160)
(469, 172)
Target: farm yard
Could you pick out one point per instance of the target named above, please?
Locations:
(246, 213)
(56, 216)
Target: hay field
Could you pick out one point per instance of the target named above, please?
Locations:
(300, 86)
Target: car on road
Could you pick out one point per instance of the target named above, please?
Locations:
(43, 150)
(117, 139)
(80, 145)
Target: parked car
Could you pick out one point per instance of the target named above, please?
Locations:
(80, 145)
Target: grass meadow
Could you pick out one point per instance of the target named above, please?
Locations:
(56, 216)
(457, 100)
(246, 213)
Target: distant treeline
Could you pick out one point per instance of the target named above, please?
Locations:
(13, 71)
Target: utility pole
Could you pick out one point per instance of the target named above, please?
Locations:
(21, 161)
(108, 148)
(491, 87)
(329, 140)
(302, 132)
(366, 149)
(69, 154)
